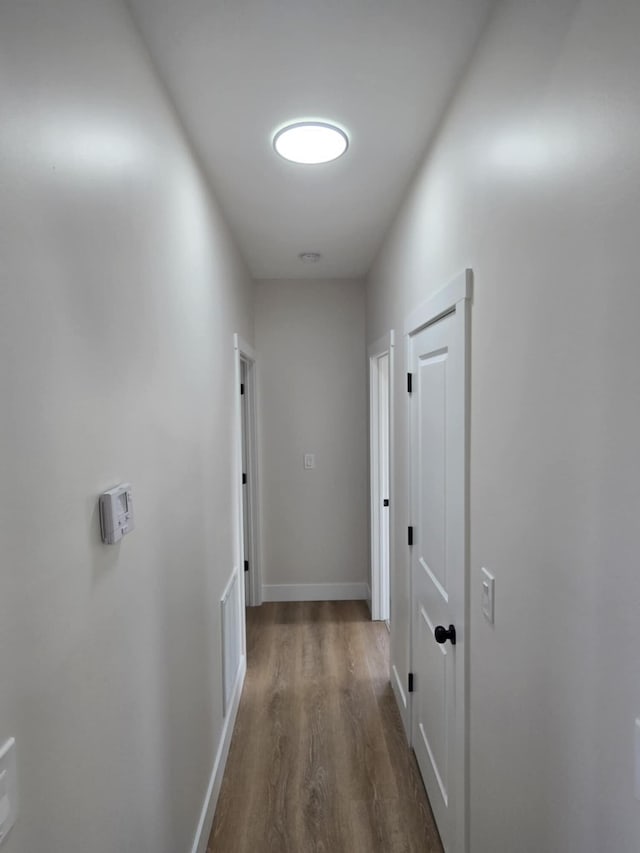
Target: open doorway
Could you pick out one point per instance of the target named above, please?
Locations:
(380, 402)
(248, 474)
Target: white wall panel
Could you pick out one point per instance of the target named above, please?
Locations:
(534, 182)
(120, 289)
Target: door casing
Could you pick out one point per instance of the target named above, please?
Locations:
(379, 608)
(245, 354)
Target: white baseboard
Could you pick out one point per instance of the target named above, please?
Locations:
(401, 700)
(315, 592)
(211, 799)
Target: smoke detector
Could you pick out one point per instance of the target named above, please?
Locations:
(309, 257)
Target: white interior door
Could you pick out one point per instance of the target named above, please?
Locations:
(438, 567)
(248, 529)
(246, 519)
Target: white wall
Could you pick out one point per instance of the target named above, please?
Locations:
(534, 182)
(120, 290)
(313, 385)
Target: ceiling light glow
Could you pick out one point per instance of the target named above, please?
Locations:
(311, 142)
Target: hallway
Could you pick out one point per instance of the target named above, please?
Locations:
(319, 761)
(170, 274)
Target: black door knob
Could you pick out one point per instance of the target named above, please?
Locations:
(442, 634)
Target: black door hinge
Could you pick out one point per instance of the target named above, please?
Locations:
(410, 682)
(242, 387)
(385, 502)
(409, 382)
(410, 535)
(246, 565)
(244, 479)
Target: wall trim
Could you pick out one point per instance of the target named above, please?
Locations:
(205, 823)
(315, 592)
(382, 345)
(441, 303)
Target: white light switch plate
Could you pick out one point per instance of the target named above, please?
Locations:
(488, 595)
(8, 788)
(309, 461)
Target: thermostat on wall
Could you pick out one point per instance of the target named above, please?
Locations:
(116, 513)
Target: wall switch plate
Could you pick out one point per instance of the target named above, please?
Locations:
(309, 461)
(8, 788)
(637, 751)
(488, 595)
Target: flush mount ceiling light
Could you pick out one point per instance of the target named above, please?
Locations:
(309, 257)
(310, 142)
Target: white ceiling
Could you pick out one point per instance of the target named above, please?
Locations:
(239, 69)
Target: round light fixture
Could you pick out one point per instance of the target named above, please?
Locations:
(310, 142)
(309, 257)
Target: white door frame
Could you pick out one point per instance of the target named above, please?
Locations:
(244, 352)
(455, 299)
(383, 346)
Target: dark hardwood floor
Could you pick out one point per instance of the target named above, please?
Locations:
(318, 761)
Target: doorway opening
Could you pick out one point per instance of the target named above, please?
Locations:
(380, 402)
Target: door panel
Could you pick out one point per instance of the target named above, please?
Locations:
(432, 712)
(431, 462)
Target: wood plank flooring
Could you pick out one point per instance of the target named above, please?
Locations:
(318, 760)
